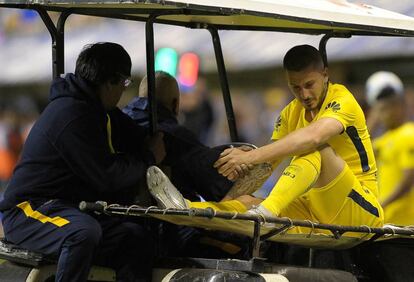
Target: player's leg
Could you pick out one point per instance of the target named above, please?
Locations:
(168, 196)
(296, 179)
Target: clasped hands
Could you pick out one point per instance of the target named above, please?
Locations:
(234, 163)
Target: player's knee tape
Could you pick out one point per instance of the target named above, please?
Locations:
(296, 179)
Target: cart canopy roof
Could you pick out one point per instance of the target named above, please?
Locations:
(301, 16)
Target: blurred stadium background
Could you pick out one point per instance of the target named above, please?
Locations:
(253, 61)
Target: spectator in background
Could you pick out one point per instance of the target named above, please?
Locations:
(11, 142)
(197, 111)
(28, 112)
(394, 149)
(16, 117)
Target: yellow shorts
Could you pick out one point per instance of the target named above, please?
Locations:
(344, 201)
(401, 211)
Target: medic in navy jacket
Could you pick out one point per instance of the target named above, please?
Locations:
(67, 155)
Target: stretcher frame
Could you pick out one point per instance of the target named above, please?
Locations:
(259, 221)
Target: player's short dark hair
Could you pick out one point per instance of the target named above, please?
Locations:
(387, 92)
(103, 62)
(301, 57)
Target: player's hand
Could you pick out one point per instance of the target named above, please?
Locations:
(245, 148)
(245, 167)
(239, 172)
(233, 163)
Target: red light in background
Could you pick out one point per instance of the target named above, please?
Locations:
(188, 69)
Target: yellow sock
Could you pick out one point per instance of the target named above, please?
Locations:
(230, 206)
(296, 179)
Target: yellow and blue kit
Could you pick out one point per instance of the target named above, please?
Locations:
(351, 198)
(395, 154)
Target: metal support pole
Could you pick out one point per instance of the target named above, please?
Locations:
(53, 34)
(324, 41)
(57, 35)
(256, 239)
(322, 49)
(150, 53)
(224, 84)
(58, 46)
(152, 102)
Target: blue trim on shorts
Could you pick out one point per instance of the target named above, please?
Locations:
(357, 198)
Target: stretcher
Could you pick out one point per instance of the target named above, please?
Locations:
(363, 252)
(22, 265)
(259, 228)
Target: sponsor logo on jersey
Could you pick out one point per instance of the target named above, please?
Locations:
(334, 106)
(278, 123)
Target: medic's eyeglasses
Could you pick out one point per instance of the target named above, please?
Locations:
(126, 81)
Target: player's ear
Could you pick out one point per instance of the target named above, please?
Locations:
(325, 74)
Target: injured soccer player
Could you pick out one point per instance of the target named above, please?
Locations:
(331, 178)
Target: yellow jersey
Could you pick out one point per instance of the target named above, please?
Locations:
(353, 145)
(395, 153)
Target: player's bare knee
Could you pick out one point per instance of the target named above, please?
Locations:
(331, 166)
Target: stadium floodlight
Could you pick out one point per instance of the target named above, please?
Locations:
(166, 60)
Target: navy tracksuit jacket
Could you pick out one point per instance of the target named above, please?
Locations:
(67, 159)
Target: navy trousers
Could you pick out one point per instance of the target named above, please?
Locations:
(84, 240)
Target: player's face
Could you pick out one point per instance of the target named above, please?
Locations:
(392, 112)
(309, 86)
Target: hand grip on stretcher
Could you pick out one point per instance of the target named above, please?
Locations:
(92, 207)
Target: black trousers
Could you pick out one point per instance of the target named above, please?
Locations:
(81, 240)
(193, 173)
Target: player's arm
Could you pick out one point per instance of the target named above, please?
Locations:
(402, 188)
(276, 163)
(300, 141)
